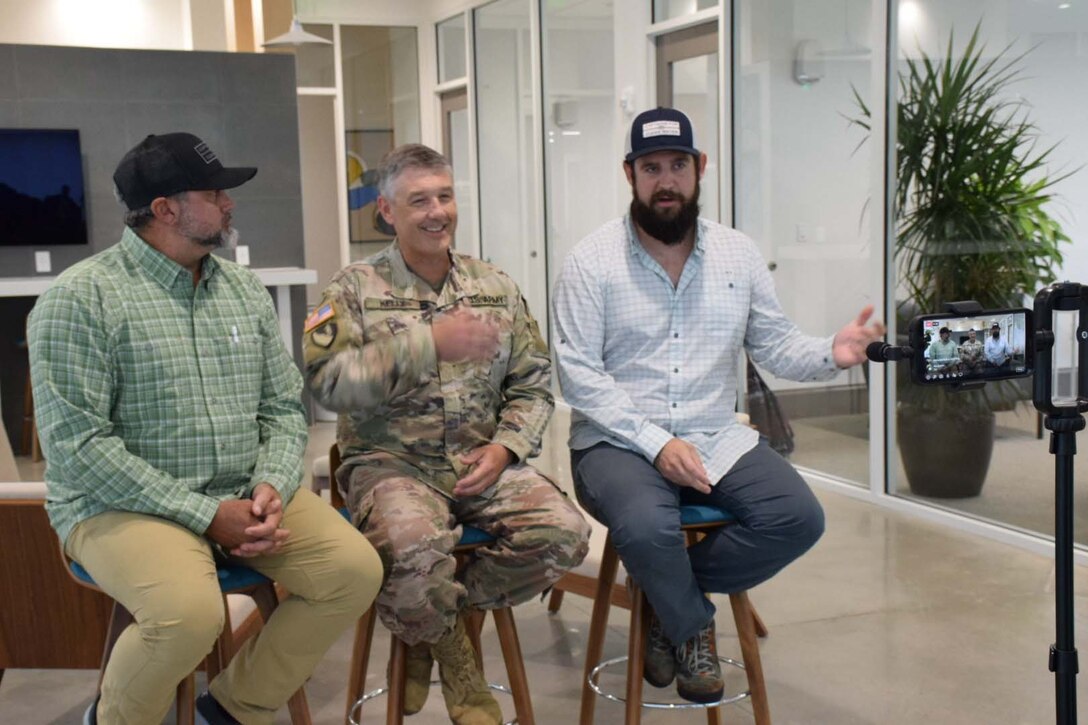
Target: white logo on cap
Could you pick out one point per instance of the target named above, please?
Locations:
(660, 128)
(204, 152)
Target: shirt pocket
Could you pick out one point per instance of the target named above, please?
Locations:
(241, 364)
(723, 303)
(154, 377)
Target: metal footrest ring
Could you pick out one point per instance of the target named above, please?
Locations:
(595, 673)
(356, 716)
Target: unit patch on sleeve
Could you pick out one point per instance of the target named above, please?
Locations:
(325, 335)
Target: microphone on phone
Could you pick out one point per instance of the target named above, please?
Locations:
(881, 352)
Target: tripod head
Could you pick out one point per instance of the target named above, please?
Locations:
(1069, 367)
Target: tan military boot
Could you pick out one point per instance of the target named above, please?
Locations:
(468, 699)
(417, 685)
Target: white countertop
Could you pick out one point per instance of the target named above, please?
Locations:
(269, 276)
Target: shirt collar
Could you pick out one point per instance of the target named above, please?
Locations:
(404, 280)
(157, 265)
(635, 246)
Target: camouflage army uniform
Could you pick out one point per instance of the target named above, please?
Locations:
(406, 419)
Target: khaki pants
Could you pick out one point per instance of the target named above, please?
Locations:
(164, 574)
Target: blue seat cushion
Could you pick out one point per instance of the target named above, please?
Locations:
(693, 514)
(232, 577)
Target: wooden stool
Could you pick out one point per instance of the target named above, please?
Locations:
(695, 521)
(471, 540)
(233, 579)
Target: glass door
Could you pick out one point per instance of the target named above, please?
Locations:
(687, 79)
(455, 145)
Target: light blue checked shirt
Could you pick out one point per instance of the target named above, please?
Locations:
(641, 361)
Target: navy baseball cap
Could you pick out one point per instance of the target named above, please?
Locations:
(171, 163)
(660, 129)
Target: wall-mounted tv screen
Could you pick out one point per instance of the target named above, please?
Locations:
(42, 197)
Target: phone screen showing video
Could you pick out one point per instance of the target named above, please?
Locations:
(990, 345)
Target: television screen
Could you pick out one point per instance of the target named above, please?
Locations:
(41, 188)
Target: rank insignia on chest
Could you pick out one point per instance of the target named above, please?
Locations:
(318, 316)
(324, 335)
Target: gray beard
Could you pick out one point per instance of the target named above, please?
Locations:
(223, 240)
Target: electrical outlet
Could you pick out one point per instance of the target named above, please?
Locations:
(241, 255)
(43, 262)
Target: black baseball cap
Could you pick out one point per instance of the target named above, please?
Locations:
(660, 129)
(171, 163)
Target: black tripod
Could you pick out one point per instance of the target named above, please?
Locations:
(1063, 420)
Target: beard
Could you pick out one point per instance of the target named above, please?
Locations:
(666, 227)
(225, 238)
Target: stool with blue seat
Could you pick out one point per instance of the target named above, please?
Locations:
(695, 521)
(233, 579)
(471, 540)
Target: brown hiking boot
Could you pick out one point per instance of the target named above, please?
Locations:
(659, 662)
(417, 683)
(468, 698)
(698, 672)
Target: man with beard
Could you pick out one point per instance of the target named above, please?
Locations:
(652, 312)
(170, 416)
(997, 352)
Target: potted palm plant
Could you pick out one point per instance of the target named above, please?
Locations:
(971, 187)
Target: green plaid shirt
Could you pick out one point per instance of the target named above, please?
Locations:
(158, 397)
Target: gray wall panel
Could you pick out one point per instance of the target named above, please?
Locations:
(7, 72)
(242, 104)
(46, 71)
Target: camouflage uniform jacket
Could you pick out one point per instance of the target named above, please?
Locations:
(370, 357)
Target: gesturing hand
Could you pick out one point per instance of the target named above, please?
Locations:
(489, 461)
(680, 462)
(850, 342)
(463, 335)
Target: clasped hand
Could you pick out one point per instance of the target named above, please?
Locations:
(488, 461)
(250, 527)
(680, 462)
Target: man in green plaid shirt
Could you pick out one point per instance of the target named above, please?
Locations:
(170, 417)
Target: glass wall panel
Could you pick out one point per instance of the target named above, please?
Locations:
(451, 49)
(984, 228)
(669, 9)
(802, 190)
(511, 235)
(381, 111)
(583, 162)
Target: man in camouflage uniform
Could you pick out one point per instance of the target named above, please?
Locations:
(442, 383)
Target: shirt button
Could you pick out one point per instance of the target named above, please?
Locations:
(676, 334)
(674, 405)
(222, 446)
(676, 370)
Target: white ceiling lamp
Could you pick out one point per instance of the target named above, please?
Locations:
(295, 36)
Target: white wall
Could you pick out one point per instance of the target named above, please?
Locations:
(147, 24)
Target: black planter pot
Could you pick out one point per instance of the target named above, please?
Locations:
(945, 457)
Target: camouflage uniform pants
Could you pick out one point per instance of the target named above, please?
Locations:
(540, 535)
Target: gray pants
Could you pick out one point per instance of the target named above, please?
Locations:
(778, 520)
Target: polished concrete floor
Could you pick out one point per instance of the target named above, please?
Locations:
(888, 620)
